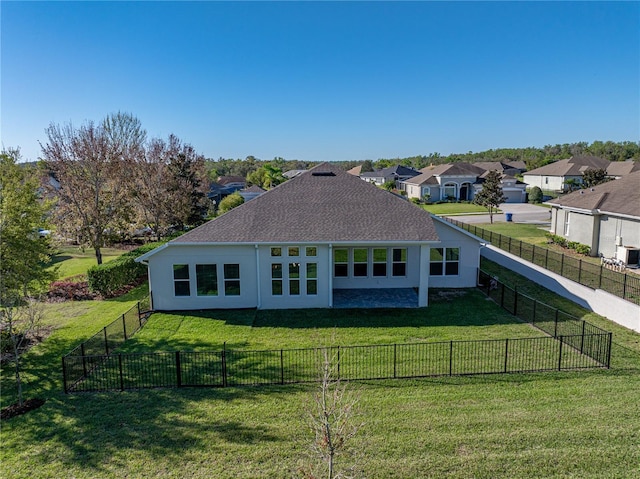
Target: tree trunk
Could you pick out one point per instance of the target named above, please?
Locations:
(17, 360)
(98, 255)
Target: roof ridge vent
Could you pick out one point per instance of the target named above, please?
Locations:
(323, 173)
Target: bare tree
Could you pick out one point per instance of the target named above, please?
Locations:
(20, 324)
(93, 165)
(332, 421)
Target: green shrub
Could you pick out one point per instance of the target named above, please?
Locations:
(583, 249)
(535, 195)
(415, 201)
(109, 277)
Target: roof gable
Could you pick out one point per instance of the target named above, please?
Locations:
(324, 204)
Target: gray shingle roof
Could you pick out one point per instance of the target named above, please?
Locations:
(573, 166)
(324, 204)
(617, 196)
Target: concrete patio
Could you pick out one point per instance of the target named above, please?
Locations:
(375, 298)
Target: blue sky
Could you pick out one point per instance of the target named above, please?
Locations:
(326, 81)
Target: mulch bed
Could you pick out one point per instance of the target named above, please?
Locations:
(16, 410)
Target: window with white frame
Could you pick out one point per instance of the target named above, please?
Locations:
(341, 262)
(181, 280)
(360, 262)
(276, 279)
(567, 219)
(399, 266)
(232, 280)
(312, 278)
(206, 280)
(379, 262)
(450, 190)
(444, 261)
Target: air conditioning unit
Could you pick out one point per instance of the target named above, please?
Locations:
(629, 255)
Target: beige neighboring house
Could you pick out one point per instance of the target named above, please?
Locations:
(553, 177)
(355, 171)
(294, 245)
(605, 217)
(461, 181)
(618, 169)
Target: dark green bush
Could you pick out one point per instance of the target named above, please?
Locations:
(109, 277)
(535, 195)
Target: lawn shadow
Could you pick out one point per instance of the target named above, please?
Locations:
(95, 431)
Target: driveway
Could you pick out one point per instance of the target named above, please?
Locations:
(521, 213)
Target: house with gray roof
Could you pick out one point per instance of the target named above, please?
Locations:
(554, 176)
(605, 217)
(397, 173)
(322, 233)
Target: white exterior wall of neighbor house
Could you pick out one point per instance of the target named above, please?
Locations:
(614, 229)
(469, 261)
(575, 226)
(548, 183)
(162, 279)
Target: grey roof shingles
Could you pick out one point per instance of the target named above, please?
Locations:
(573, 166)
(616, 196)
(324, 204)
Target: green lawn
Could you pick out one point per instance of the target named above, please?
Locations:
(529, 233)
(455, 209)
(71, 261)
(554, 425)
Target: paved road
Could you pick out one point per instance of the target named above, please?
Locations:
(521, 213)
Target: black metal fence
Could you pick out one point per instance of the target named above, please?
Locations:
(584, 337)
(96, 350)
(575, 345)
(623, 285)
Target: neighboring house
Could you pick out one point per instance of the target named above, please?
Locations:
(514, 190)
(461, 181)
(232, 183)
(251, 192)
(605, 217)
(296, 244)
(618, 169)
(396, 173)
(499, 166)
(355, 170)
(554, 176)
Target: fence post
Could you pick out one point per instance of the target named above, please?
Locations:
(535, 302)
(338, 362)
(124, 327)
(509, 249)
(560, 354)
(106, 341)
(502, 296)
(609, 351)
(139, 315)
(450, 358)
(582, 337)
(64, 376)
(546, 258)
(555, 330)
(520, 249)
(580, 271)
(624, 287)
(561, 264)
(395, 346)
(120, 369)
(84, 360)
(178, 370)
(600, 277)
(224, 368)
(281, 367)
(515, 301)
(506, 353)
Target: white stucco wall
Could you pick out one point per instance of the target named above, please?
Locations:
(611, 227)
(162, 282)
(453, 237)
(548, 183)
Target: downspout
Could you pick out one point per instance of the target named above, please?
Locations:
(258, 277)
(330, 275)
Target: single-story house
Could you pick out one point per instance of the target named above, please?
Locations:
(554, 176)
(461, 181)
(232, 183)
(298, 243)
(618, 169)
(393, 173)
(499, 166)
(605, 217)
